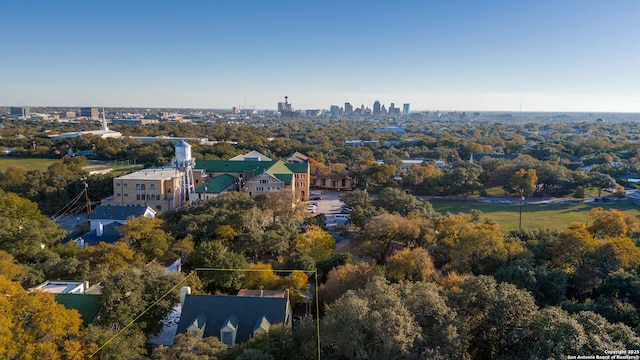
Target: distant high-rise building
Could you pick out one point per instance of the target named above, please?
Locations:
(90, 112)
(335, 111)
(376, 108)
(19, 112)
(284, 108)
(348, 109)
(383, 110)
(405, 110)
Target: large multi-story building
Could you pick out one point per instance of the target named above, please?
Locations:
(348, 109)
(335, 111)
(405, 110)
(19, 112)
(158, 188)
(253, 175)
(90, 112)
(376, 108)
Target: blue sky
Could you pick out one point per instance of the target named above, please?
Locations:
(437, 55)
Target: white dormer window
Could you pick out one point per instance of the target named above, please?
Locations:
(262, 326)
(229, 330)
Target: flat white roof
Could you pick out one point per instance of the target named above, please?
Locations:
(152, 174)
(61, 287)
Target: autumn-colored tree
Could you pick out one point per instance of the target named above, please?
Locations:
(34, 326)
(387, 233)
(106, 259)
(606, 223)
(412, 265)
(572, 247)
(259, 276)
(418, 174)
(619, 253)
(9, 268)
(146, 236)
(23, 228)
(316, 243)
(346, 277)
(481, 249)
(524, 181)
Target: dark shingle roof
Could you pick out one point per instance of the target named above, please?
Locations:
(112, 212)
(110, 234)
(218, 309)
(87, 305)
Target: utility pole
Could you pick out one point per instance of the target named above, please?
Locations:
(86, 195)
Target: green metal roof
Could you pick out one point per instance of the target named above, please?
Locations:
(285, 178)
(233, 166)
(272, 167)
(86, 304)
(298, 167)
(217, 184)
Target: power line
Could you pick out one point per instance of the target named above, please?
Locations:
(314, 272)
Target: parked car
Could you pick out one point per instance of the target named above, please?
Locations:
(315, 198)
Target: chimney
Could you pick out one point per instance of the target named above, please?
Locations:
(184, 291)
(100, 229)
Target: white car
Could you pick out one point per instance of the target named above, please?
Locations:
(311, 209)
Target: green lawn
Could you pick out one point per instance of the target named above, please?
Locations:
(27, 163)
(534, 216)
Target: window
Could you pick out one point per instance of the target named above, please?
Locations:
(117, 184)
(260, 189)
(126, 195)
(125, 184)
(152, 186)
(138, 197)
(118, 194)
(227, 338)
(264, 181)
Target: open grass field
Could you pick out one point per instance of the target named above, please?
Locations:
(534, 216)
(43, 164)
(29, 164)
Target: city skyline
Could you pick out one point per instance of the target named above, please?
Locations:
(482, 56)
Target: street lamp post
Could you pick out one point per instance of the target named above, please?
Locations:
(521, 202)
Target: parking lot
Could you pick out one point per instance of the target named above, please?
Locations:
(330, 204)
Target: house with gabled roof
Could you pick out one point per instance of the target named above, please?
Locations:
(234, 319)
(107, 214)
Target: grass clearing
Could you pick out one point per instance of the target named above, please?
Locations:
(27, 163)
(534, 216)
